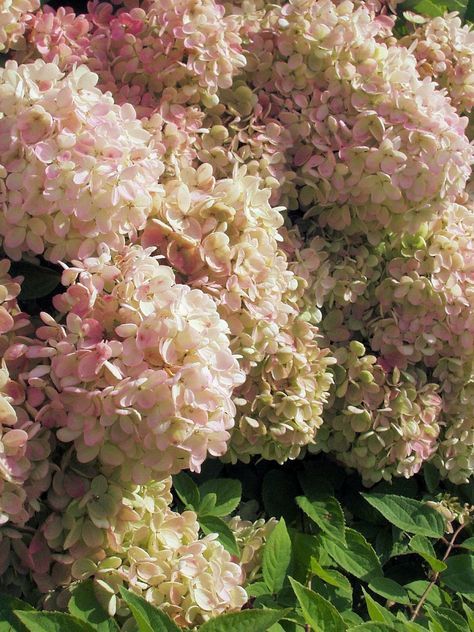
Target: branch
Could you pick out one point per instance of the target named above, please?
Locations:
(424, 596)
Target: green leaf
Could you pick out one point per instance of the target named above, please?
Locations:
(228, 493)
(326, 512)
(257, 589)
(408, 514)
(276, 557)
(447, 620)
(9, 621)
(339, 596)
(317, 611)
(38, 280)
(459, 574)
(52, 622)
(375, 610)
(423, 547)
(425, 7)
(359, 558)
(469, 615)
(373, 626)
(351, 618)
(83, 605)
(187, 490)
(305, 547)
(468, 544)
(436, 597)
(244, 621)
(327, 575)
(390, 589)
(213, 524)
(147, 617)
(207, 505)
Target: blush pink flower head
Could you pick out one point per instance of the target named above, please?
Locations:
(77, 170)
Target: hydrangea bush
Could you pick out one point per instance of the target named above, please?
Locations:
(237, 241)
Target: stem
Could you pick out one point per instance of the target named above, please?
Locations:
(424, 596)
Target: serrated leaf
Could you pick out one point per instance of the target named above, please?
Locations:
(468, 544)
(447, 620)
(408, 514)
(425, 7)
(390, 589)
(459, 574)
(9, 621)
(187, 490)
(83, 605)
(421, 545)
(37, 621)
(276, 557)
(351, 618)
(213, 524)
(244, 621)
(436, 597)
(326, 512)
(38, 281)
(327, 575)
(340, 597)
(319, 613)
(227, 491)
(147, 617)
(358, 558)
(375, 610)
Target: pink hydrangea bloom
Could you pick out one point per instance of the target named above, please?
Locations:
(352, 104)
(188, 46)
(77, 170)
(142, 369)
(25, 447)
(444, 50)
(222, 234)
(126, 534)
(58, 36)
(426, 299)
(380, 423)
(12, 22)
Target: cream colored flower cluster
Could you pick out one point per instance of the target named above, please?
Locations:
(76, 170)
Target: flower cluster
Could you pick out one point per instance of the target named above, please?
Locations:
(251, 538)
(25, 445)
(444, 50)
(77, 170)
(350, 105)
(126, 534)
(141, 369)
(13, 14)
(379, 422)
(426, 299)
(223, 236)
